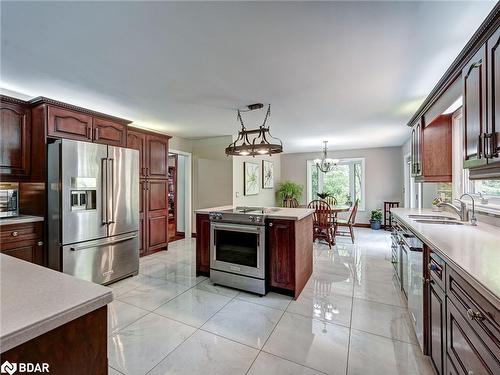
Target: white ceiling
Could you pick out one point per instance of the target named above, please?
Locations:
(352, 73)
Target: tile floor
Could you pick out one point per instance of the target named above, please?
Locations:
(349, 319)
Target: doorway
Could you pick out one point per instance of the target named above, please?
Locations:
(179, 195)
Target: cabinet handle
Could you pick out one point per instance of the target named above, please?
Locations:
(474, 315)
(89, 132)
(14, 234)
(270, 224)
(40, 243)
(480, 139)
(96, 134)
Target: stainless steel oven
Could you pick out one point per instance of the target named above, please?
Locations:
(237, 255)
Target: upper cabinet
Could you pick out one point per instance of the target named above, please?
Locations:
(70, 122)
(157, 156)
(416, 149)
(137, 141)
(492, 150)
(15, 136)
(474, 108)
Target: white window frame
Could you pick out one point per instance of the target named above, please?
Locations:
(461, 182)
(350, 161)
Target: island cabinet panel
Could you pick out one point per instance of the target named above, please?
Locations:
(64, 123)
(109, 132)
(23, 241)
(202, 244)
(15, 140)
(157, 213)
(281, 250)
(78, 347)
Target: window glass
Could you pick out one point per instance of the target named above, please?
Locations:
(336, 183)
(486, 187)
(357, 183)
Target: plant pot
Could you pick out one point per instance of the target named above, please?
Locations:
(375, 224)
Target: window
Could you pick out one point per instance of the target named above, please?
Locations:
(485, 187)
(345, 182)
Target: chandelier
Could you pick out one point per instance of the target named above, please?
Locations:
(325, 164)
(256, 141)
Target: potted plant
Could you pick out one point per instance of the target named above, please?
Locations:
(289, 189)
(376, 219)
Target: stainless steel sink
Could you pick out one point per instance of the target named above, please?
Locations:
(433, 217)
(447, 222)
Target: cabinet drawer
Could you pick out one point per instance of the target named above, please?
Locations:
(436, 269)
(14, 235)
(480, 314)
(468, 353)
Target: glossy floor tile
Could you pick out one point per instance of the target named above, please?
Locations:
(142, 345)
(244, 322)
(207, 354)
(193, 307)
(349, 319)
(313, 343)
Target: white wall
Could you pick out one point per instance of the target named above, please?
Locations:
(265, 197)
(383, 174)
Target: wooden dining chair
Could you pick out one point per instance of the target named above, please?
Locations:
(349, 223)
(332, 201)
(323, 226)
(290, 202)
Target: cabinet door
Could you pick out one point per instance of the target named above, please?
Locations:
(474, 108)
(63, 123)
(15, 140)
(467, 352)
(437, 327)
(492, 142)
(202, 244)
(109, 132)
(157, 214)
(281, 248)
(157, 156)
(30, 252)
(137, 141)
(142, 216)
(418, 149)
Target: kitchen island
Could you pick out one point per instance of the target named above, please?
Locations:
(461, 290)
(288, 246)
(53, 318)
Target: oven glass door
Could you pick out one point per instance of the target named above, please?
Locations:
(237, 249)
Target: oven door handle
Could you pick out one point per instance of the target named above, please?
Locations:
(237, 227)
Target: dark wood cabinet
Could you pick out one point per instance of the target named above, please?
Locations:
(137, 141)
(157, 156)
(202, 244)
(64, 123)
(492, 136)
(15, 135)
(109, 132)
(281, 249)
(437, 327)
(23, 241)
(154, 205)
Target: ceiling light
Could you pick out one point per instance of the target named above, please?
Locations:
(254, 142)
(326, 164)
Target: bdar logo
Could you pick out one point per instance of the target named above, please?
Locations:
(8, 368)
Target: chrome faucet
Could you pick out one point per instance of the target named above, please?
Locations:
(462, 211)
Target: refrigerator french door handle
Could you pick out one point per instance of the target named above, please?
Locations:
(111, 193)
(104, 243)
(104, 191)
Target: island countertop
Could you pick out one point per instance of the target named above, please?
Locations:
(35, 300)
(21, 219)
(273, 212)
(474, 250)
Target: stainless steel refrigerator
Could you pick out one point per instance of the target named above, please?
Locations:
(93, 210)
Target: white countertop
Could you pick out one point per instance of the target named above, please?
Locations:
(20, 219)
(276, 212)
(472, 249)
(35, 300)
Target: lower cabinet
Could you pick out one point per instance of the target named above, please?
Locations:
(202, 244)
(437, 326)
(23, 241)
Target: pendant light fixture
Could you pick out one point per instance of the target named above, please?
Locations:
(256, 141)
(325, 164)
